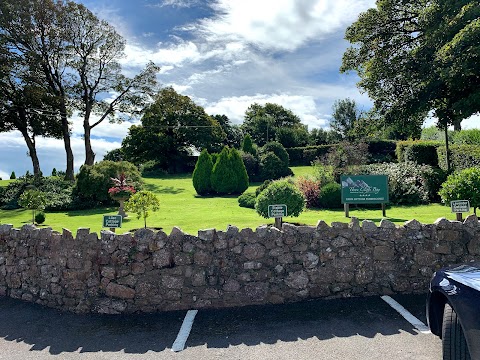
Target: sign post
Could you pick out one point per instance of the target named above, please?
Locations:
(112, 221)
(459, 207)
(364, 189)
(277, 211)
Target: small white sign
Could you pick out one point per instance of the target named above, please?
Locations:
(460, 206)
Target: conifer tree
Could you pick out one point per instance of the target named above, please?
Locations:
(202, 173)
(223, 177)
(241, 176)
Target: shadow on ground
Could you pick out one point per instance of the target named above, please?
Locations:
(60, 332)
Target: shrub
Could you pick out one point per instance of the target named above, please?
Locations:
(464, 185)
(345, 157)
(40, 218)
(262, 187)
(280, 192)
(323, 173)
(251, 165)
(54, 172)
(271, 167)
(13, 176)
(247, 200)
(330, 196)
(466, 137)
(311, 191)
(402, 147)
(380, 151)
(93, 182)
(278, 150)
(202, 173)
(59, 192)
(33, 200)
(241, 176)
(223, 177)
(304, 156)
(141, 203)
(152, 169)
(408, 183)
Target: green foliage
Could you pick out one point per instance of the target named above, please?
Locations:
(262, 187)
(422, 153)
(263, 121)
(40, 218)
(463, 185)
(247, 145)
(59, 192)
(170, 128)
(34, 200)
(93, 182)
(54, 172)
(247, 200)
(467, 137)
(241, 176)
(323, 174)
(380, 151)
(344, 118)
(251, 165)
(278, 150)
(223, 177)
(114, 155)
(271, 167)
(310, 189)
(408, 182)
(461, 156)
(307, 155)
(202, 173)
(141, 203)
(280, 192)
(330, 196)
(345, 157)
(151, 169)
(13, 176)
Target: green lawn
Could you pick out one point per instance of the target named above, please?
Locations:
(180, 206)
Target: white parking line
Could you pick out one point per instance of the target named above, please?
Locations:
(179, 343)
(420, 326)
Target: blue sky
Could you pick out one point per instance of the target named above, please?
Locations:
(225, 55)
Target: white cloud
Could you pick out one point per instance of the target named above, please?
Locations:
(175, 3)
(279, 24)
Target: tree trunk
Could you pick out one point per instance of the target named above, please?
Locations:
(457, 125)
(447, 148)
(89, 154)
(69, 175)
(32, 152)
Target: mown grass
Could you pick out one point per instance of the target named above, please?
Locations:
(181, 207)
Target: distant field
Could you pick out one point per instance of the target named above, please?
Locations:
(180, 206)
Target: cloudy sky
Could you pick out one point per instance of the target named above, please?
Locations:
(225, 55)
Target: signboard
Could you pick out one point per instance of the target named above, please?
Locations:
(364, 189)
(460, 206)
(277, 211)
(112, 221)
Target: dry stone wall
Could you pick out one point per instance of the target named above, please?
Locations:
(149, 271)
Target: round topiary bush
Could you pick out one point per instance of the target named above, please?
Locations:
(247, 200)
(330, 196)
(40, 218)
(280, 192)
(464, 185)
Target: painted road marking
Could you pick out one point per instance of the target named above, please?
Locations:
(179, 343)
(420, 326)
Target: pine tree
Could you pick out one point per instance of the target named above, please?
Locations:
(247, 145)
(202, 173)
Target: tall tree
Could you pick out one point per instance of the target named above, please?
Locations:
(409, 55)
(78, 55)
(172, 127)
(233, 133)
(95, 50)
(263, 121)
(345, 117)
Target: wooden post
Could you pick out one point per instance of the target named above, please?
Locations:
(278, 222)
(346, 207)
(459, 217)
(384, 211)
(112, 229)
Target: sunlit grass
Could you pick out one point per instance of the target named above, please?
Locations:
(180, 206)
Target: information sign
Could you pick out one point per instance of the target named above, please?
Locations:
(277, 211)
(112, 221)
(460, 206)
(364, 189)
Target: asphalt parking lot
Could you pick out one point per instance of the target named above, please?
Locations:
(358, 328)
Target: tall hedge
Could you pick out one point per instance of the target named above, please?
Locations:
(421, 152)
(202, 173)
(241, 176)
(461, 156)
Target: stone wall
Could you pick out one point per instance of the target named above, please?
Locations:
(151, 271)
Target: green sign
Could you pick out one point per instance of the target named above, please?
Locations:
(277, 211)
(460, 206)
(364, 189)
(112, 221)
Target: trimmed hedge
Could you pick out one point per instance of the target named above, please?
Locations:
(461, 156)
(420, 152)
